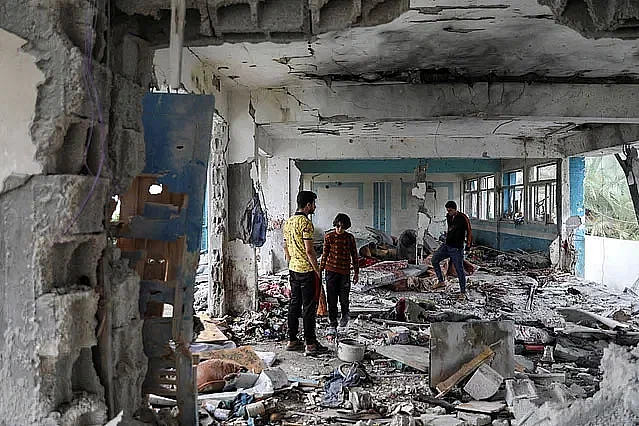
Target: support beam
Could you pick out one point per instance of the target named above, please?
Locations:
(176, 43)
(578, 103)
(334, 148)
(599, 139)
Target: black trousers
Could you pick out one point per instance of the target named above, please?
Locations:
(305, 294)
(338, 287)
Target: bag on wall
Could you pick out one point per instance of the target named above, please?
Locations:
(258, 226)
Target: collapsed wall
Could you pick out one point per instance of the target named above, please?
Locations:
(66, 345)
(616, 402)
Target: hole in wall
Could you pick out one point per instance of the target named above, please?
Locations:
(180, 147)
(156, 189)
(116, 208)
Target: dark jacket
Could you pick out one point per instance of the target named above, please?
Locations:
(458, 230)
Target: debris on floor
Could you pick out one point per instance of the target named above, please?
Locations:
(526, 348)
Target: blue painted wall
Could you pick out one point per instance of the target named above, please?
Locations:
(508, 236)
(407, 165)
(577, 172)
(177, 132)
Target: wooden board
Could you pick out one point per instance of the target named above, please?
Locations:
(417, 357)
(452, 344)
(464, 371)
(211, 333)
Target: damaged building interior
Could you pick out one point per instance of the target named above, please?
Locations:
(153, 150)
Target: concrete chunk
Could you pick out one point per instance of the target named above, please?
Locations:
(474, 419)
(519, 389)
(446, 420)
(453, 344)
(484, 383)
(67, 322)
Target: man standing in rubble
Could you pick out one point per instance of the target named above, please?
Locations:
(459, 231)
(304, 275)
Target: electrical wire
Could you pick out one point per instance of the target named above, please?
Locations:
(96, 105)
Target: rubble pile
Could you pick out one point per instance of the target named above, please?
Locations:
(530, 346)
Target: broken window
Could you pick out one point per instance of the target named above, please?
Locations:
(542, 193)
(479, 197)
(471, 196)
(487, 197)
(513, 194)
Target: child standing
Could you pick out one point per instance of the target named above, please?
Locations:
(340, 251)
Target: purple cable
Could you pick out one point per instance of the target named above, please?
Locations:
(93, 96)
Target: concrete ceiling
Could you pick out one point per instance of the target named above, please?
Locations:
(435, 40)
(459, 128)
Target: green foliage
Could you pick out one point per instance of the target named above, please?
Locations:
(609, 209)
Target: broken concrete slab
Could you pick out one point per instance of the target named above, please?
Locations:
(441, 420)
(454, 343)
(474, 419)
(579, 316)
(484, 383)
(67, 322)
(446, 385)
(416, 357)
(484, 407)
(519, 389)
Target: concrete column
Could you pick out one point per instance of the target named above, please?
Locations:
(240, 262)
(275, 182)
(63, 155)
(577, 171)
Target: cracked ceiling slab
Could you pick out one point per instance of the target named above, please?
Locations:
(450, 39)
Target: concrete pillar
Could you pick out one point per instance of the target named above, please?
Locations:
(577, 171)
(274, 178)
(63, 154)
(240, 262)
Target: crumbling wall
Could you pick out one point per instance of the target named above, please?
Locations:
(217, 21)
(217, 220)
(597, 18)
(52, 214)
(616, 402)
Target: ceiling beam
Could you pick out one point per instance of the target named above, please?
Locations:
(326, 147)
(580, 103)
(600, 139)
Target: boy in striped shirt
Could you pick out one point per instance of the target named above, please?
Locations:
(340, 251)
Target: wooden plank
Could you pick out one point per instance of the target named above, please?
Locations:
(211, 333)
(453, 344)
(411, 355)
(445, 386)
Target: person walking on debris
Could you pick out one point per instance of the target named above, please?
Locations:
(458, 231)
(340, 250)
(304, 275)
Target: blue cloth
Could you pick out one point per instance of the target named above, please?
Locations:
(456, 256)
